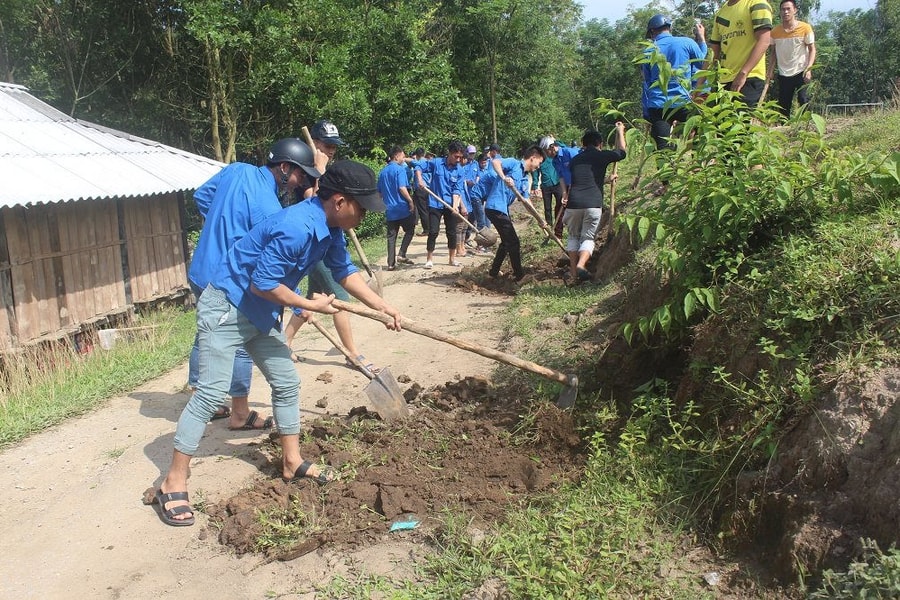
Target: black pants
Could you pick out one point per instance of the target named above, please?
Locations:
(408, 225)
(661, 125)
(552, 195)
(787, 87)
(420, 197)
(509, 244)
(434, 227)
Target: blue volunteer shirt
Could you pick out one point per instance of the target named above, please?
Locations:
(469, 176)
(391, 178)
(231, 202)
(686, 58)
(419, 165)
(445, 180)
(493, 189)
(281, 250)
(561, 162)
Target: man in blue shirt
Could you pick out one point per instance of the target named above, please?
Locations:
(420, 195)
(231, 203)
(665, 102)
(446, 183)
(243, 306)
(393, 183)
(495, 189)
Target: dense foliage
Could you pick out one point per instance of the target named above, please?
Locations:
(224, 79)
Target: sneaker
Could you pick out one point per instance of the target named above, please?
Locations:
(391, 267)
(422, 234)
(404, 261)
(456, 263)
(429, 264)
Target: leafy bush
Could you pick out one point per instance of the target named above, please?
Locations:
(876, 577)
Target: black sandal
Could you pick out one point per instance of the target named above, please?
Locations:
(168, 515)
(250, 423)
(326, 474)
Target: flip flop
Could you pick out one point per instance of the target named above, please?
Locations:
(250, 423)
(223, 412)
(326, 474)
(168, 516)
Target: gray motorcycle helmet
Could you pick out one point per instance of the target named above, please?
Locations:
(294, 151)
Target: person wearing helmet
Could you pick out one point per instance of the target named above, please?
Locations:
(664, 103)
(231, 203)
(741, 33)
(243, 304)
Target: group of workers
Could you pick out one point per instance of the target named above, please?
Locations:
(268, 227)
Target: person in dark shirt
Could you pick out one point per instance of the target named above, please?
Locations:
(585, 203)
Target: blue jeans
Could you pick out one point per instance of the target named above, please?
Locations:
(222, 329)
(243, 366)
(481, 221)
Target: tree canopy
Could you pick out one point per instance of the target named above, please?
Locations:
(226, 78)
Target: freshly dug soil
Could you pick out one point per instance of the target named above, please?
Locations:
(464, 449)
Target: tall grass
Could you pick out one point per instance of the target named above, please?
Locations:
(44, 385)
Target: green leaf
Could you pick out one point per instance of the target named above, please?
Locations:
(643, 227)
(819, 122)
(724, 209)
(690, 304)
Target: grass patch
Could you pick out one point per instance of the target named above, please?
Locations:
(41, 387)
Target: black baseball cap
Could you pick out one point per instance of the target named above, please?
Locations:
(354, 179)
(494, 147)
(327, 132)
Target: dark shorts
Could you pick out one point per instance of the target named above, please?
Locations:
(752, 91)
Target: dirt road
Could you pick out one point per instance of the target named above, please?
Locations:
(72, 518)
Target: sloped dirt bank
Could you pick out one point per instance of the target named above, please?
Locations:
(835, 478)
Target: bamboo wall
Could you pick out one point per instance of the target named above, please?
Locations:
(154, 235)
(67, 265)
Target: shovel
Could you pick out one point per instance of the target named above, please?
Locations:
(383, 390)
(570, 382)
(540, 220)
(486, 237)
(374, 277)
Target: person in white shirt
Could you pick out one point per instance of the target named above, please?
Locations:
(795, 52)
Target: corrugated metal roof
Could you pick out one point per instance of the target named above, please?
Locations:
(47, 156)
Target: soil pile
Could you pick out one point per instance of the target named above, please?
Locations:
(464, 449)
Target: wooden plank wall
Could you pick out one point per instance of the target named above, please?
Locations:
(155, 252)
(64, 269)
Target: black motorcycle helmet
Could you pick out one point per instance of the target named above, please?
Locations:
(294, 151)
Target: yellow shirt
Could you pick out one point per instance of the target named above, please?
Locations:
(733, 29)
(792, 48)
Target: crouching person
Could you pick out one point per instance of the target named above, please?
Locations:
(243, 305)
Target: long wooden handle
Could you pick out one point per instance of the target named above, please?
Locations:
(351, 232)
(344, 351)
(415, 327)
(309, 140)
(612, 194)
(537, 217)
(455, 212)
(359, 250)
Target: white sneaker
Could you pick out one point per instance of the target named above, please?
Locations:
(429, 264)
